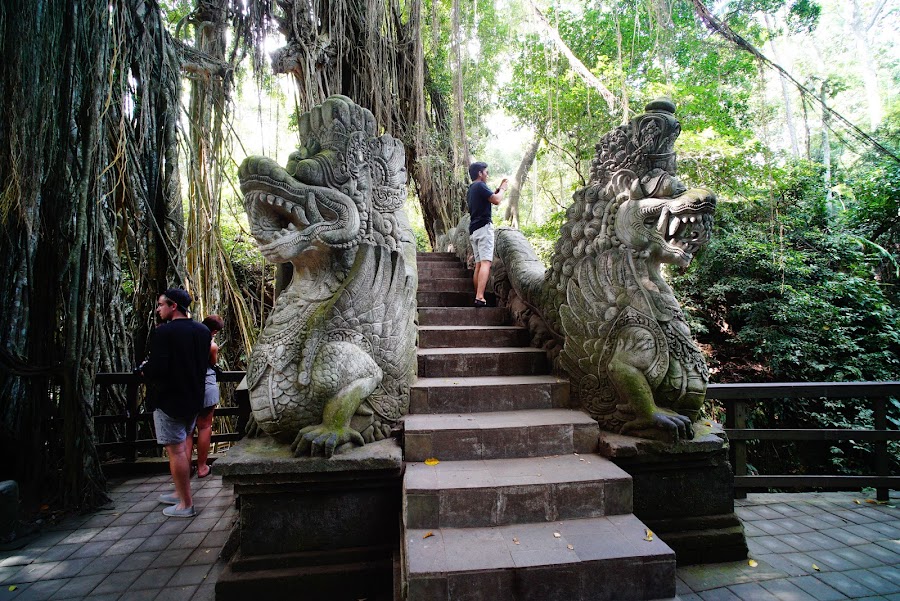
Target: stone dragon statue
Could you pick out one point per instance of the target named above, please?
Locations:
(334, 362)
(603, 308)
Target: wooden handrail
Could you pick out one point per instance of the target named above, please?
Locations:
(736, 398)
(131, 416)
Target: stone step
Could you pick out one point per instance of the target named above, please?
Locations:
(427, 298)
(481, 361)
(469, 494)
(608, 560)
(429, 270)
(498, 435)
(468, 336)
(485, 394)
(447, 285)
(459, 316)
(437, 258)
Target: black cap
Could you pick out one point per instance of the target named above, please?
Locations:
(180, 297)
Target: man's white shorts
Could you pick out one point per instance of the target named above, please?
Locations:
(483, 243)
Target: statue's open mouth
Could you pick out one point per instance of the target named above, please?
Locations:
(685, 223)
(277, 221)
(285, 213)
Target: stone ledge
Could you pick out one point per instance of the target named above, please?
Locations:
(708, 437)
(265, 457)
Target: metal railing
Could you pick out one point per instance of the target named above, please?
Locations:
(738, 397)
(128, 445)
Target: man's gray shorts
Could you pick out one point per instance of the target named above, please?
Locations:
(172, 430)
(483, 243)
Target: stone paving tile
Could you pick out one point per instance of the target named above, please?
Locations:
(719, 594)
(785, 590)
(154, 578)
(116, 582)
(817, 588)
(858, 557)
(78, 587)
(142, 595)
(888, 573)
(783, 564)
(751, 591)
(872, 580)
(843, 583)
(821, 540)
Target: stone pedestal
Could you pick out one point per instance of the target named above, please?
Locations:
(313, 528)
(684, 492)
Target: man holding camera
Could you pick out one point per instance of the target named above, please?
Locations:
(481, 201)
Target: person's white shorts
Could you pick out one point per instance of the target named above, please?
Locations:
(483, 243)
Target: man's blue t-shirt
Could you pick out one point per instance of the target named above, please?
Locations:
(479, 200)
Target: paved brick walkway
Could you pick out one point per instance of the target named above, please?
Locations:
(825, 546)
(130, 551)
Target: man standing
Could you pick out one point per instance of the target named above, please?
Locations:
(179, 356)
(481, 232)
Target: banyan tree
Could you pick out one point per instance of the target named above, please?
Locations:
(95, 218)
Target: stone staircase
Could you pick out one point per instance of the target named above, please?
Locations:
(519, 507)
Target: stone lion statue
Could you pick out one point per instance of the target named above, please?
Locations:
(334, 362)
(603, 308)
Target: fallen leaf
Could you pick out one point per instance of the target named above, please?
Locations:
(556, 535)
(816, 568)
(857, 501)
(428, 534)
(581, 459)
(752, 563)
(576, 454)
(515, 540)
(649, 536)
(570, 547)
(431, 461)
(871, 501)
(12, 588)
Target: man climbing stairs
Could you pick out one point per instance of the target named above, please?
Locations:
(517, 506)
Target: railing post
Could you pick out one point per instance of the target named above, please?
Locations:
(131, 412)
(740, 446)
(882, 461)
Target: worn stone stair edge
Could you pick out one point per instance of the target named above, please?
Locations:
(617, 537)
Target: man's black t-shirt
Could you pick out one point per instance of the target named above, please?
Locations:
(479, 200)
(179, 356)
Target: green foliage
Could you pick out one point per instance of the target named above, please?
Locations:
(543, 237)
(786, 293)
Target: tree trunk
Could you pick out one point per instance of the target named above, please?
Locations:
(860, 25)
(576, 64)
(461, 149)
(826, 148)
(372, 56)
(78, 115)
(515, 189)
(785, 92)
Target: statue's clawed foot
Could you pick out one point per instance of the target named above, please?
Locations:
(679, 425)
(252, 429)
(323, 440)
